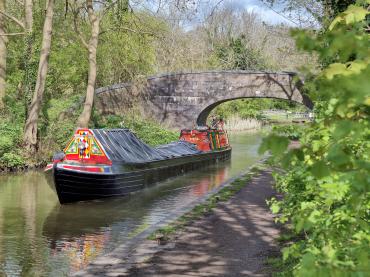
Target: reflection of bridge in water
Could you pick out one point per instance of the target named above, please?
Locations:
(181, 100)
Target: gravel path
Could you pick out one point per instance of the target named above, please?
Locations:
(234, 240)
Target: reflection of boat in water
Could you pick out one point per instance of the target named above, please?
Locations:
(104, 163)
(68, 221)
(83, 250)
(82, 231)
(207, 184)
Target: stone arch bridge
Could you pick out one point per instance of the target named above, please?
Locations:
(182, 100)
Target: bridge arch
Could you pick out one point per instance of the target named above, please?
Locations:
(182, 100)
(203, 115)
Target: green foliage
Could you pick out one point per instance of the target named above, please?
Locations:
(122, 56)
(147, 130)
(10, 137)
(276, 144)
(11, 160)
(239, 55)
(292, 132)
(326, 184)
(252, 108)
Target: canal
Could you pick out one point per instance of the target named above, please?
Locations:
(39, 237)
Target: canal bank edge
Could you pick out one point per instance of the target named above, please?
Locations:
(142, 246)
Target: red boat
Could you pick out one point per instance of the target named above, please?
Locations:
(100, 163)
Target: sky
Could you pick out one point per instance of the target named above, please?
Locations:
(263, 10)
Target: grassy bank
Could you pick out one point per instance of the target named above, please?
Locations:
(200, 210)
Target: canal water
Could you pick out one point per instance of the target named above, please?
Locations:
(39, 237)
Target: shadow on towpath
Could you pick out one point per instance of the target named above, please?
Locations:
(234, 240)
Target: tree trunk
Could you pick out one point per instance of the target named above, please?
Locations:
(26, 83)
(28, 16)
(3, 53)
(30, 130)
(84, 118)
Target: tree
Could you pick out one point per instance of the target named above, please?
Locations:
(94, 19)
(28, 15)
(95, 12)
(3, 53)
(30, 130)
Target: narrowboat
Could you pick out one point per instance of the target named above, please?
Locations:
(99, 163)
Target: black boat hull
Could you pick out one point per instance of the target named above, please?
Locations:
(72, 186)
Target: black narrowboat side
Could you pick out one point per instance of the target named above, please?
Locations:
(75, 185)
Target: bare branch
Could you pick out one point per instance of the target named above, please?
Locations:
(15, 20)
(107, 8)
(80, 35)
(214, 8)
(132, 31)
(20, 2)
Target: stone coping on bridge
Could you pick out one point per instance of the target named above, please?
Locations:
(163, 75)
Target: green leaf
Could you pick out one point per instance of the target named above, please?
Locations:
(275, 208)
(320, 169)
(342, 129)
(334, 69)
(337, 156)
(276, 144)
(355, 14)
(352, 15)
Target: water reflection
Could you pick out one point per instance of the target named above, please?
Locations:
(39, 237)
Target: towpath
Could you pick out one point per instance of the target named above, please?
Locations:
(234, 240)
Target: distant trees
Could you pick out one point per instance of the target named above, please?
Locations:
(228, 38)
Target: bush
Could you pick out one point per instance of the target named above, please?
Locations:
(292, 132)
(6, 144)
(12, 160)
(326, 182)
(10, 135)
(147, 130)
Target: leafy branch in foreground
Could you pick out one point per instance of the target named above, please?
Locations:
(326, 184)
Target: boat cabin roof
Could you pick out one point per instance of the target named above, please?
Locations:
(121, 145)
